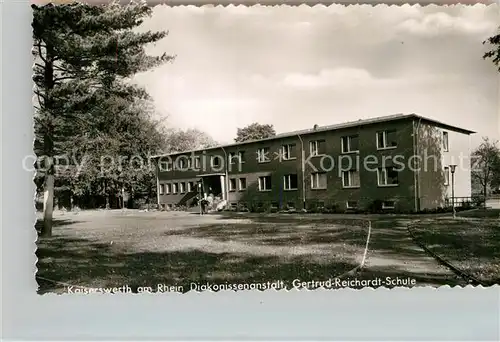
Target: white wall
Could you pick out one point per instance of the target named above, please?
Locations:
(458, 153)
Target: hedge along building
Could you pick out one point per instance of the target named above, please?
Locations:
(398, 162)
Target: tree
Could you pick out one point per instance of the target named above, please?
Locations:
(255, 131)
(190, 139)
(83, 57)
(486, 164)
(494, 53)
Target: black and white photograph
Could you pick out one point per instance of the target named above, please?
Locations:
(183, 149)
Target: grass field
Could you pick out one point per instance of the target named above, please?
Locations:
(114, 248)
(471, 242)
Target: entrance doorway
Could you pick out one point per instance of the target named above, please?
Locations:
(213, 184)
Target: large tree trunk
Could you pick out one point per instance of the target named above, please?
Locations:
(48, 147)
(48, 205)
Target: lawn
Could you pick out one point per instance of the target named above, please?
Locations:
(114, 248)
(471, 242)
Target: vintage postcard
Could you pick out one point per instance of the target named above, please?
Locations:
(183, 148)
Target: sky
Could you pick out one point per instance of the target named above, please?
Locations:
(294, 67)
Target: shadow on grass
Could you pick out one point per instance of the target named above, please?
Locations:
(86, 263)
(471, 246)
(481, 213)
(268, 232)
(55, 223)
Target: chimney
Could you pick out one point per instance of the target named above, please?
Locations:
(315, 127)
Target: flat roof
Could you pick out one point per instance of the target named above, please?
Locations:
(349, 124)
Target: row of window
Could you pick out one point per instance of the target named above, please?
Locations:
(350, 179)
(318, 180)
(177, 188)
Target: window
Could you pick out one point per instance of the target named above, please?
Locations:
(445, 141)
(232, 184)
(241, 156)
(215, 162)
(168, 188)
(352, 204)
(191, 187)
(386, 139)
(350, 144)
(290, 182)
(387, 176)
(265, 183)
(182, 163)
(318, 180)
(236, 157)
(263, 155)
(162, 188)
(287, 151)
(182, 187)
(165, 166)
(197, 162)
(446, 176)
(388, 205)
(243, 184)
(350, 179)
(316, 147)
(174, 188)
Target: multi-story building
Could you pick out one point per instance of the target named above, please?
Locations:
(400, 162)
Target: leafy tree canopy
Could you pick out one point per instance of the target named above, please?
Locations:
(255, 131)
(187, 140)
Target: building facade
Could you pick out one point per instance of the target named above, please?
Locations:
(401, 162)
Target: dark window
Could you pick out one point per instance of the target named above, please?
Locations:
(265, 183)
(317, 147)
(232, 184)
(350, 143)
(352, 204)
(241, 156)
(318, 180)
(290, 182)
(263, 155)
(350, 178)
(243, 184)
(388, 176)
(288, 151)
(386, 139)
(388, 205)
(216, 161)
